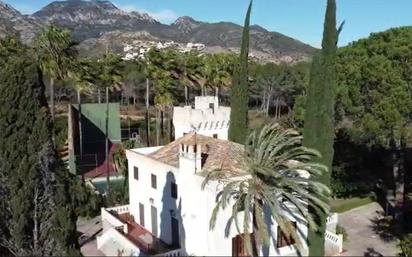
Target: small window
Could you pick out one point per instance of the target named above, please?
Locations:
(136, 173)
(206, 125)
(154, 181)
(141, 214)
(215, 136)
(212, 106)
(174, 190)
(285, 239)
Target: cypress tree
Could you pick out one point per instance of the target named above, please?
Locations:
(319, 115)
(239, 98)
(31, 198)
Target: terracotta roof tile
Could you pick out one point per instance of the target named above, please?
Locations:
(221, 154)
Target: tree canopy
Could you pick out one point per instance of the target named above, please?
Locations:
(35, 209)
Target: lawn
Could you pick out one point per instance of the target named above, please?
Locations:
(343, 205)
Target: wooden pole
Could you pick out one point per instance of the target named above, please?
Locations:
(147, 114)
(107, 143)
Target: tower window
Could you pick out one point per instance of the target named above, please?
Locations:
(136, 173)
(154, 181)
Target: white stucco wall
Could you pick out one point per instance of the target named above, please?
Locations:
(205, 120)
(193, 207)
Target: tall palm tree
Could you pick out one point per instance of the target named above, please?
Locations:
(80, 78)
(163, 73)
(277, 178)
(218, 71)
(56, 51)
(107, 73)
(190, 71)
(163, 102)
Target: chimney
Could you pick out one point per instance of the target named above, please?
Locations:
(190, 158)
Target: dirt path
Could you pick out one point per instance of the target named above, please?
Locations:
(363, 240)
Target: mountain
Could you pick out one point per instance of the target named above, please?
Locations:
(90, 19)
(13, 23)
(97, 24)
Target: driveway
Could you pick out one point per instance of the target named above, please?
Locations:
(363, 238)
(88, 230)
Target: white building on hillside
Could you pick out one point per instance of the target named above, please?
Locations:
(207, 118)
(169, 214)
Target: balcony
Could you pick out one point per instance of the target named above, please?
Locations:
(123, 222)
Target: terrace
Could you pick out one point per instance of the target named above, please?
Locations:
(119, 219)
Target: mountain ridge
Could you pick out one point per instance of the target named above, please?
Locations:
(94, 21)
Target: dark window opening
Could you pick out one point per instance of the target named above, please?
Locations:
(136, 173)
(154, 181)
(215, 136)
(212, 106)
(204, 158)
(174, 190)
(141, 214)
(285, 239)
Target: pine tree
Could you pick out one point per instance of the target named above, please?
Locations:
(239, 98)
(30, 197)
(319, 116)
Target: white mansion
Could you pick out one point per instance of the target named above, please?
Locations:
(169, 213)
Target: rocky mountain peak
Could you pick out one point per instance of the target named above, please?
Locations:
(7, 11)
(186, 24)
(12, 22)
(93, 12)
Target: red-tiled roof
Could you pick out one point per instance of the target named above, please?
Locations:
(220, 154)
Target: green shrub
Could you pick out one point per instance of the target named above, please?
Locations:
(405, 246)
(341, 230)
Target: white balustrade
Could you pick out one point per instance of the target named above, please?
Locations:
(335, 241)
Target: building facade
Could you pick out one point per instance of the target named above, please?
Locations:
(207, 118)
(169, 212)
(170, 208)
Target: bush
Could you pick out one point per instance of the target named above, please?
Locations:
(341, 230)
(405, 246)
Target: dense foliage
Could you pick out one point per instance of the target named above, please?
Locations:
(319, 130)
(374, 92)
(405, 246)
(239, 98)
(37, 215)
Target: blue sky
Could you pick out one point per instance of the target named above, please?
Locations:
(300, 19)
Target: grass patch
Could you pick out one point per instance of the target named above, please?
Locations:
(343, 205)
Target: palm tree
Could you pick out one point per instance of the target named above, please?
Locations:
(56, 52)
(190, 71)
(277, 171)
(163, 72)
(163, 102)
(218, 71)
(79, 76)
(107, 73)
